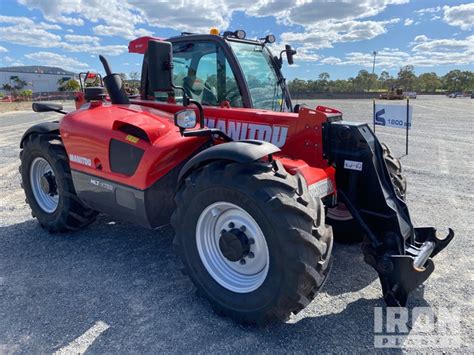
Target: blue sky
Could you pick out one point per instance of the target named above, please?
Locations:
(337, 37)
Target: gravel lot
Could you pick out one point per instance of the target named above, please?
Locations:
(53, 288)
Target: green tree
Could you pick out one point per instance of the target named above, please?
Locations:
(69, 85)
(323, 81)
(406, 77)
(457, 80)
(134, 76)
(8, 88)
(428, 82)
(26, 94)
(15, 85)
(385, 80)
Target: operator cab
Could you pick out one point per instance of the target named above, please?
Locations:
(227, 71)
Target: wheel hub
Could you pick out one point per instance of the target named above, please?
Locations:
(48, 184)
(234, 244)
(43, 184)
(232, 247)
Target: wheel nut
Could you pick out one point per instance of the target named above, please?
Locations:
(231, 225)
(223, 231)
(243, 228)
(251, 241)
(251, 255)
(242, 262)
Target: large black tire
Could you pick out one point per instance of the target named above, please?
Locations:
(345, 228)
(292, 222)
(70, 214)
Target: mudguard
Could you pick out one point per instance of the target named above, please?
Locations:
(42, 128)
(244, 151)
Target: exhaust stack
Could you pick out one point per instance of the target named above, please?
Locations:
(114, 85)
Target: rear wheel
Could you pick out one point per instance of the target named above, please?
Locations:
(252, 239)
(345, 228)
(48, 186)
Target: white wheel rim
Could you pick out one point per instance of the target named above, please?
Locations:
(339, 213)
(234, 276)
(47, 201)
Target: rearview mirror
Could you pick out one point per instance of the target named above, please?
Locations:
(290, 52)
(160, 64)
(185, 119)
(46, 107)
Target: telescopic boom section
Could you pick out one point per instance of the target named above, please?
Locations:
(400, 253)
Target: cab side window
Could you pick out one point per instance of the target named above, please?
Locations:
(205, 74)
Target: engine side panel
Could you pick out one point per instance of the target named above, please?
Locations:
(91, 136)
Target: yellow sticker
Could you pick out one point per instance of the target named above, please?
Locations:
(131, 138)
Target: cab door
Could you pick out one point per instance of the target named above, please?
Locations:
(204, 69)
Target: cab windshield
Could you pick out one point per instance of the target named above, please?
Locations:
(264, 86)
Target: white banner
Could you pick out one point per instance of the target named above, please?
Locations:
(393, 115)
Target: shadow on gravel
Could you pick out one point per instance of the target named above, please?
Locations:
(349, 271)
(55, 287)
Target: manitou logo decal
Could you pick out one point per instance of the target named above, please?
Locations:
(321, 188)
(244, 130)
(80, 160)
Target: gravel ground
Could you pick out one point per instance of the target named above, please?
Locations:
(53, 288)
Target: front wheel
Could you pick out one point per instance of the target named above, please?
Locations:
(47, 182)
(252, 239)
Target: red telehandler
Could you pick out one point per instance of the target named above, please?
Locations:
(247, 180)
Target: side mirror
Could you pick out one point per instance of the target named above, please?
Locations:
(160, 66)
(46, 107)
(185, 119)
(290, 52)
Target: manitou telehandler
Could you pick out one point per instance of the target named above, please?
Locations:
(246, 191)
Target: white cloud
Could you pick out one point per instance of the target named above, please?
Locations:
(461, 16)
(82, 39)
(425, 52)
(31, 36)
(3, 49)
(331, 61)
(24, 31)
(56, 60)
(25, 21)
(408, 22)
(126, 32)
(311, 12)
(324, 34)
(122, 18)
(114, 13)
(72, 21)
(429, 10)
(420, 38)
(448, 46)
(192, 16)
(110, 50)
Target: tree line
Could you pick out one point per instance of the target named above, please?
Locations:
(454, 81)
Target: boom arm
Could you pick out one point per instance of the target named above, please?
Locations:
(399, 252)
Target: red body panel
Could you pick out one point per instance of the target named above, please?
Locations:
(87, 133)
(298, 135)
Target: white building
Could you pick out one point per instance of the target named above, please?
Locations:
(38, 78)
